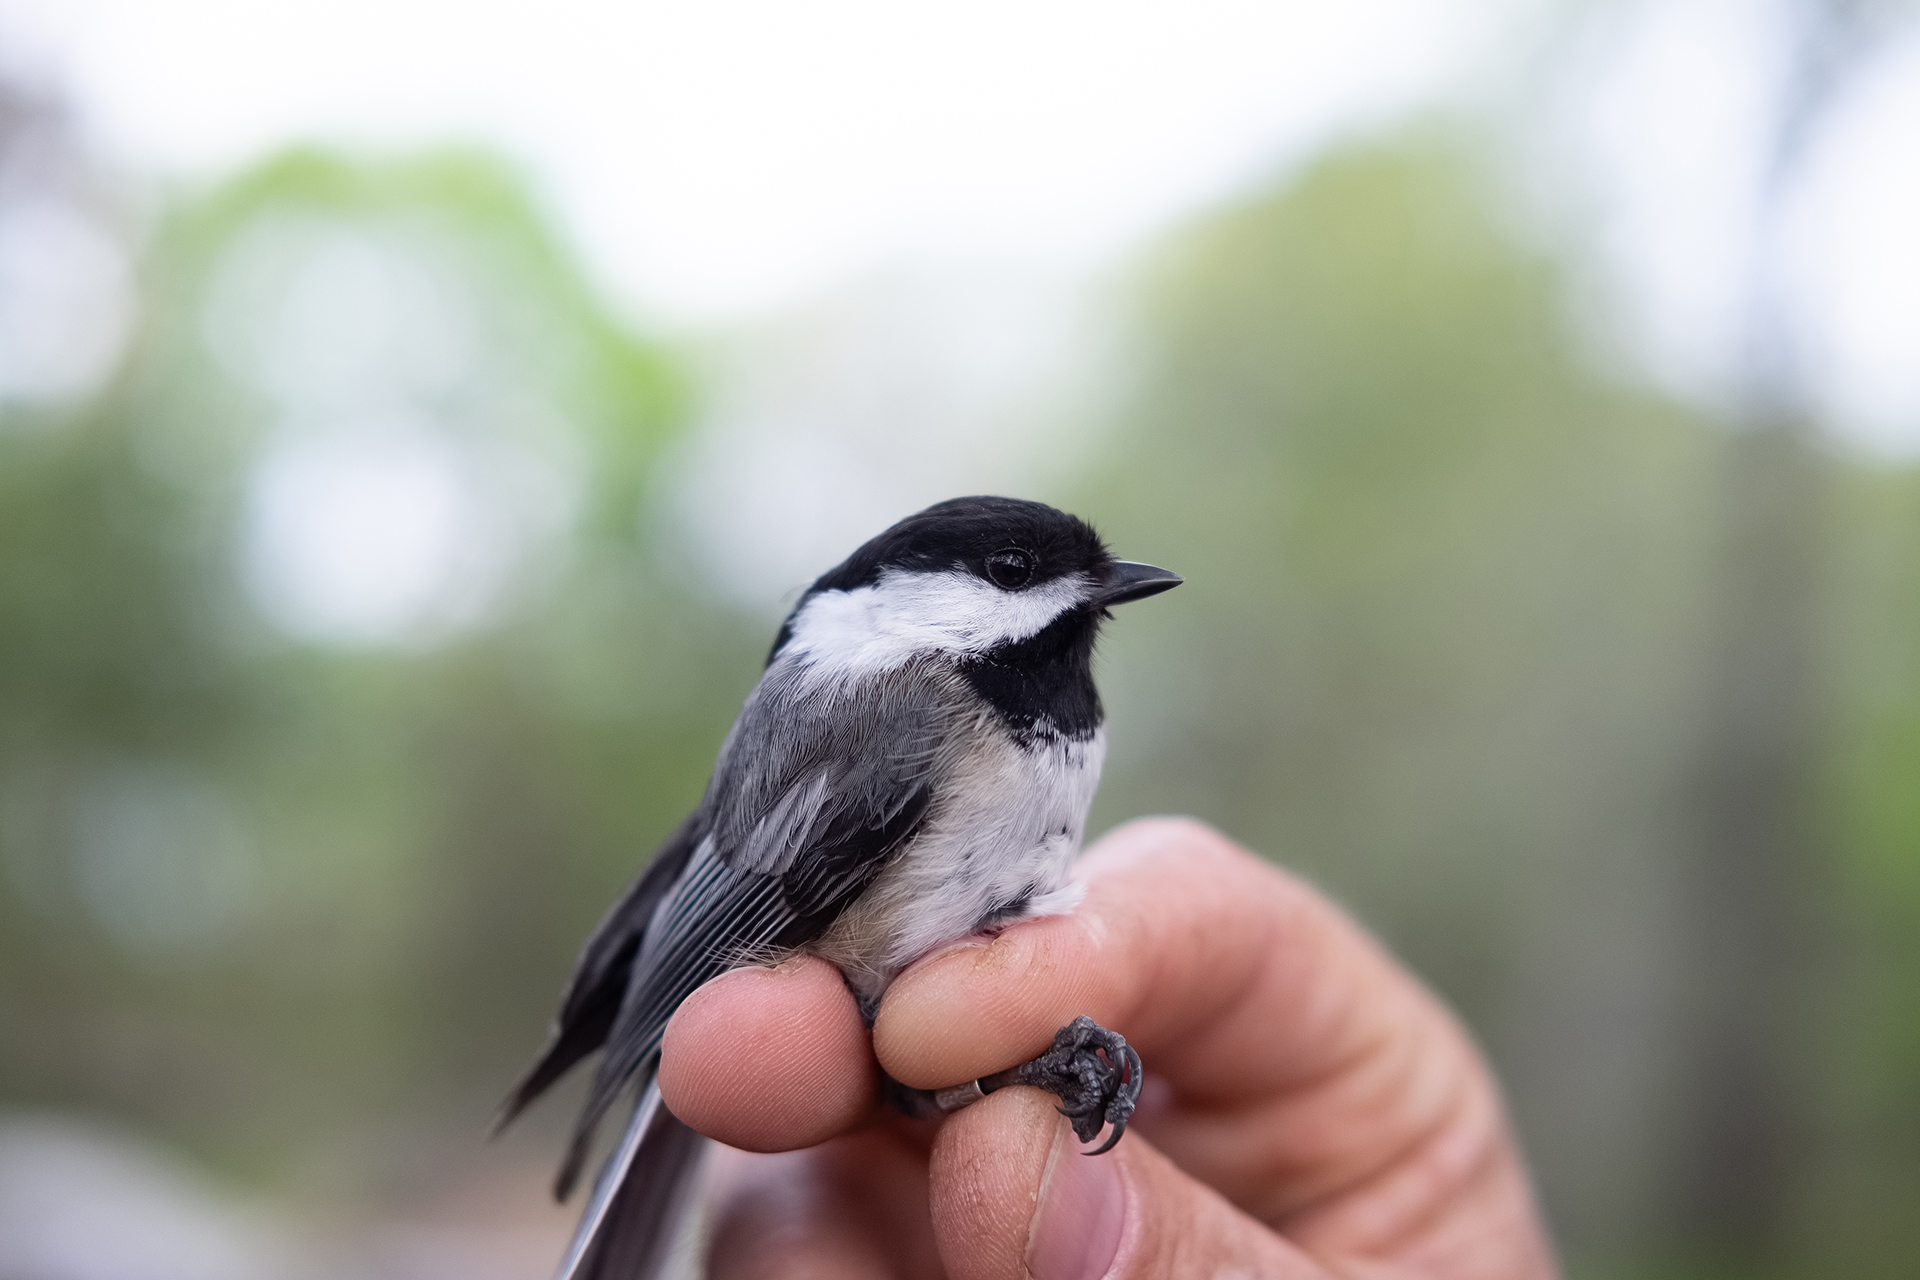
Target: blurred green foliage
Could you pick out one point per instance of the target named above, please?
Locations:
(1444, 626)
(1450, 645)
(1445, 648)
(421, 834)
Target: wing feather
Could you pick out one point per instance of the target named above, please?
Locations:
(809, 802)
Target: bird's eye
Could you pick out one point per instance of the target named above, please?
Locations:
(1010, 568)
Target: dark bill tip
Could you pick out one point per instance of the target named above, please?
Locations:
(1131, 580)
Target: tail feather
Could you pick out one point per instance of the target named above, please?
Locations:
(579, 1143)
(572, 1040)
(591, 1003)
(640, 1199)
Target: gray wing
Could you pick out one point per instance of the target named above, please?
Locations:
(818, 786)
(815, 769)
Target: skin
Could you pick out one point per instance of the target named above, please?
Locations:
(1310, 1109)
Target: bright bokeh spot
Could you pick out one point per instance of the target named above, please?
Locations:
(369, 536)
(410, 480)
(66, 303)
(1857, 254)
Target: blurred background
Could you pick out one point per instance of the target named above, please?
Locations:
(415, 418)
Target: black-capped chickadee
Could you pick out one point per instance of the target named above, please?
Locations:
(914, 766)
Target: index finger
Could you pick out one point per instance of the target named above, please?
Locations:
(1302, 1063)
(1234, 978)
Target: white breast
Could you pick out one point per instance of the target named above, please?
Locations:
(997, 846)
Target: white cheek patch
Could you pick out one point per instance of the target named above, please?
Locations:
(904, 614)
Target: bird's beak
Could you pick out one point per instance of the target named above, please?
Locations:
(1131, 580)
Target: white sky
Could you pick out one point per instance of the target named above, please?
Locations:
(723, 156)
(1670, 124)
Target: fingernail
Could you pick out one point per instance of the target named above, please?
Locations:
(1083, 1210)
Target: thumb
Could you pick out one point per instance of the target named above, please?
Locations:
(1012, 1196)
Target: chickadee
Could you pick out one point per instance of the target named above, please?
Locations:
(914, 766)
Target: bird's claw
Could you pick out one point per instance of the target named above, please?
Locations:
(1096, 1075)
(1093, 1071)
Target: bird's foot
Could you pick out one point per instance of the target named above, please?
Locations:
(1093, 1071)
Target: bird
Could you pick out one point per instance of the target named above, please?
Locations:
(914, 766)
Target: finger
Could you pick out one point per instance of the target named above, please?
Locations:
(855, 1209)
(1297, 1062)
(1187, 944)
(1012, 1196)
(769, 1059)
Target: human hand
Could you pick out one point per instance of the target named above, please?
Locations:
(1310, 1110)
